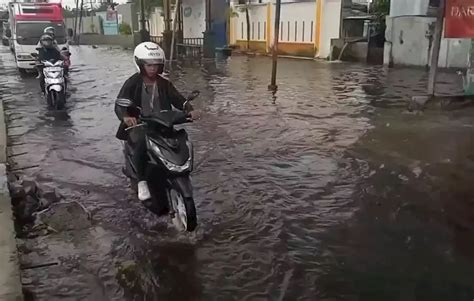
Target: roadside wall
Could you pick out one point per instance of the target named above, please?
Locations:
(306, 28)
(297, 28)
(408, 43)
(88, 25)
(10, 282)
(119, 40)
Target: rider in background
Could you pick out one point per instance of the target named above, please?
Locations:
(67, 60)
(46, 52)
(51, 32)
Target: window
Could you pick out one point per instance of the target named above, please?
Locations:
(30, 33)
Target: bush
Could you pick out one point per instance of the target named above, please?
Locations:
(125, 29)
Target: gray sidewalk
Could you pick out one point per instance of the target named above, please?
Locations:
(10, 283)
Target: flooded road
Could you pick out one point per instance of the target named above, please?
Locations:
(330, 191)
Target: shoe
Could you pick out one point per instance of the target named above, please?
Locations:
(143, 191)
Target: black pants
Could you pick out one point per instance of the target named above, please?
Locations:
(136, 139)
(41, 77)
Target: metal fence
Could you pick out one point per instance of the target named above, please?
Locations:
(157, 39)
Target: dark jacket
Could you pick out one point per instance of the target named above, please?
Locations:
(132, 90)
(47, 54)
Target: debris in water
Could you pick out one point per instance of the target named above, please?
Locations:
(36, 266)
(65, 216)
(417, 171)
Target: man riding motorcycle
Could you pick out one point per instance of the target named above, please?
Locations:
(52, 33)
(150, 91)
(46, 52)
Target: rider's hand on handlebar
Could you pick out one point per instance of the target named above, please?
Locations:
(194, 115)
(130, 121)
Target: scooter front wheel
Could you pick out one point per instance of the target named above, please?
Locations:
(184, 218)
(51, 97)
(60, 100)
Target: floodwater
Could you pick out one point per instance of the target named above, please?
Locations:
(329, 191)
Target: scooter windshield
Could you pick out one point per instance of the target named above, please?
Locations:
(53, 63)
(166, 118)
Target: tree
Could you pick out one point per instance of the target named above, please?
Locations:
(150, 4)
(125, 29)
(68, 13)
(245, 8)
(103, 7)
(247, 18)
(380, 9)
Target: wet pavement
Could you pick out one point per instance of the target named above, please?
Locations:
(330, 191)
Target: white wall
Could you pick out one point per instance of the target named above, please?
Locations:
(293, 16)
(409, 45)
(330, 25)
(157, 23)
(408, 7)
(195, 24)
(85, 24)
(258, 23)
(297, 22)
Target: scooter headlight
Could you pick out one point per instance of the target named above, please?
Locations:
(170, 165)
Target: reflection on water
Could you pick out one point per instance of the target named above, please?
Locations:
(326, 190)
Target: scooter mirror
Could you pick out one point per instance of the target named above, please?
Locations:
(123, 102)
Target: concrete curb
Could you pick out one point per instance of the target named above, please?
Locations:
(10, 281)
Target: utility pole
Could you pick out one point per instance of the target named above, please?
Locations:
(92, 17)
(468, 80)
(75, 21)
(438, 33)
(144, 34)
(167, 34)
(273, 86)
(173, 38)
(80, 22)
(209, 48)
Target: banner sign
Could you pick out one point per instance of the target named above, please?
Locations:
(459, 17)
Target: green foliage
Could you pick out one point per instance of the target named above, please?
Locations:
(231, 13)
(380, 9)
(68, 13)
(125, 29)
(103, 7)
(150, 4)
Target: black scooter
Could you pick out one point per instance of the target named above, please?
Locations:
(170, 162)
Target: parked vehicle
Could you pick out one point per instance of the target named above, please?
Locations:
(27, 22)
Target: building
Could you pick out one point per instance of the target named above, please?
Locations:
(194, 27)
(307, 26)
(409, 36)
(206, 16)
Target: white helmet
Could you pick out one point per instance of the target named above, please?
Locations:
(148, 53)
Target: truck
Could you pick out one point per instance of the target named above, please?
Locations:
(27, 22)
